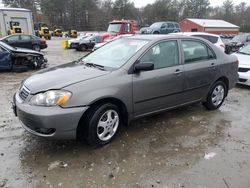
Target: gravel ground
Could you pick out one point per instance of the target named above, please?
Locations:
(187, 148)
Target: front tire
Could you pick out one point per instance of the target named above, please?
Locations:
(36, 48)
(216, 95)
(102, 124)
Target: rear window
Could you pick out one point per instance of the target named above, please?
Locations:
(212, 39)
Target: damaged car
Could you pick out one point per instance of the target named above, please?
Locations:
(20, 59)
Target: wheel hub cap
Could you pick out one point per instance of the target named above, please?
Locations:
(218, 95)
(107, 125)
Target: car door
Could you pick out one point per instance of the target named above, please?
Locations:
(162, 87)
(164, 29)
(13, 40)
(170, 28)
(25, 41)
(5, 59)
(200, 69)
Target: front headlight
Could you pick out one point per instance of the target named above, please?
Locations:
(51, 98)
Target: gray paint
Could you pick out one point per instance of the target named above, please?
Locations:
(142, 93)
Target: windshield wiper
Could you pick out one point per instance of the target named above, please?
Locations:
(95, 65)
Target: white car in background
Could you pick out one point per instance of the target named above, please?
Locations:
(78, 39)
(215, 39)
(244, 65)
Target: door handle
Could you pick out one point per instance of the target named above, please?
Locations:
(213, 66)
(177, 72)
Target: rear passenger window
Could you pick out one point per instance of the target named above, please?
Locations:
(213, 39)
(170, 25)
(164, 54)
(25, 37)
(196, 51)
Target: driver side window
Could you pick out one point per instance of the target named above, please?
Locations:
(162, 55)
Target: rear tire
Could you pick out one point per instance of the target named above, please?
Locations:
(102, 124)
(156, 33)
(216, 95)
(82, 48)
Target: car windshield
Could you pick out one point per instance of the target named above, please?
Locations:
(115, 27)
(115, 54)
(7, 46)
(245, 50)
(240, 38)
(158, 24)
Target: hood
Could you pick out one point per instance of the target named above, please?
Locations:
(74, 40)
(243, 59)
(61, 76)
(24, 50)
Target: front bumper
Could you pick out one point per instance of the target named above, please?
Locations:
(244, 78)
(50, 122)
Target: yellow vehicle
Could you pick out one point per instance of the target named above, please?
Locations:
(58, 33)
(72, 33)
(42, 30)
(14, 28)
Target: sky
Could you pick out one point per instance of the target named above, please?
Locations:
(141, 3)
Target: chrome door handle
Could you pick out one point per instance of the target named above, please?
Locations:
(178, 71)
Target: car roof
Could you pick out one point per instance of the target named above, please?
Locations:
(194, 33)
(154, 37)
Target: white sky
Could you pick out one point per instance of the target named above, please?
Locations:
(140, 3)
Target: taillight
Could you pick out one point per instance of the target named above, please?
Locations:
(237, 62)
(43, 41)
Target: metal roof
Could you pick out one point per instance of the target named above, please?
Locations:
(213, 23)
(15, 9)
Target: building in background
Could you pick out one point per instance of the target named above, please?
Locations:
(209, 26)
(21, 17)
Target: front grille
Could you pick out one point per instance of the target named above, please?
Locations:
(18, 30)
(243, 69)
(46, 31)
(24, 93)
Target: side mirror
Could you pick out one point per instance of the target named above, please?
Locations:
(143, 67)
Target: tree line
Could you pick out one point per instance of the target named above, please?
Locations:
(96, 14)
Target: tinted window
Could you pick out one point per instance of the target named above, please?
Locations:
(25, 37)
(127, 28)
(170, 25)
(176, 25)
(196, 51)
(213, 39)
(13, 38)
(164, 25)
(202, 36)
(164, 54)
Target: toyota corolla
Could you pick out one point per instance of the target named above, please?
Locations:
(126, 79)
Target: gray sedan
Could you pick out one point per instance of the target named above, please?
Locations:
(126, 79)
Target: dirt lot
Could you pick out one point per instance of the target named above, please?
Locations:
(169, 150)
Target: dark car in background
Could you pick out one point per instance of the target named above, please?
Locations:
(88, 43)
(161, 28)
(20, 59)
(25, 41)
(237, 42)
